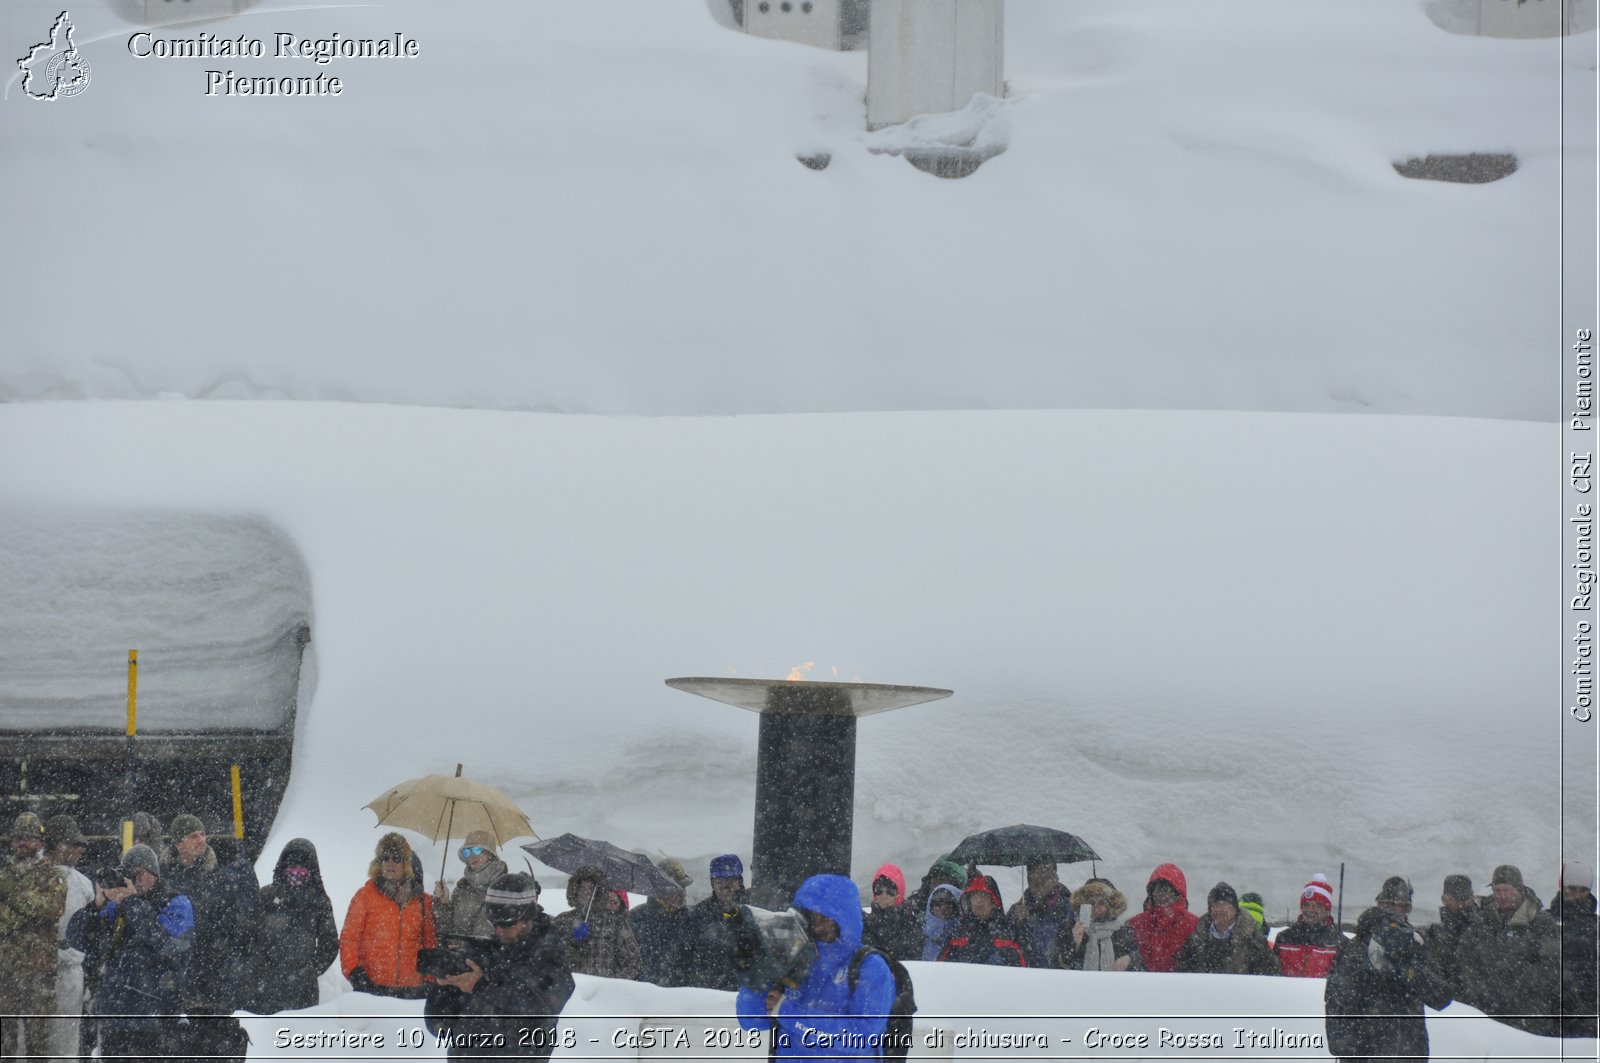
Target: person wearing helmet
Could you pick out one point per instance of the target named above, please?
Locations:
(509, 998)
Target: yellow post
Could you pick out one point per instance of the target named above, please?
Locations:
(238, 804)
(127, 835)
(133, 691)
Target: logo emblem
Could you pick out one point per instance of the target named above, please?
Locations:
(55, 69)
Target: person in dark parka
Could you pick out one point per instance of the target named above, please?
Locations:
(1379, 984)
(984, 934)
(1511, 957)
(1574, 912)
(661, 926)
(510, 998)
(296, 937)
(707, 952)
(221, 884)
(1458, 907)
(1226, 943)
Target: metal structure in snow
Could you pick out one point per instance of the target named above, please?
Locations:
(805, 771)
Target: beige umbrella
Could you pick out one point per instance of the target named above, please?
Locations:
(443, 807)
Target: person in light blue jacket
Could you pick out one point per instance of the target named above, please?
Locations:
(824, 1017)
(940, 921)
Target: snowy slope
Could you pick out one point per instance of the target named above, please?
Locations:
(1000, 450)
(565, 206)
(1257, 645)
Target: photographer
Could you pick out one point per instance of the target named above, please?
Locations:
(138, 934)
(508, 999)
(824, 1016)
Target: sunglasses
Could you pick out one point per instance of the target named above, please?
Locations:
(392, 858)
(941, 902)
(504, 921)
(884, 891)
(469, 851)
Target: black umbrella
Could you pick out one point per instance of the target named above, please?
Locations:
(623, 870)
(1020, 844)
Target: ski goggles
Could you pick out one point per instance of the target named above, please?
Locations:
(469, 851)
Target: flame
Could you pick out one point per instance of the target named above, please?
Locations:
(797, 674)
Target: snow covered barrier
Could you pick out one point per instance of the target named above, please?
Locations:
(218, 608)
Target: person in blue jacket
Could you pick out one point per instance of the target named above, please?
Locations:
(822, 1018)
(138, 935)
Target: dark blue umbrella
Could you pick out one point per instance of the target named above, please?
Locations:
(1020, 844)
(623, 870)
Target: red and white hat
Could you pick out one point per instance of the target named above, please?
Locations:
(1319, 891)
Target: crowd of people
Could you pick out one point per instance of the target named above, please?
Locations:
(176, 939)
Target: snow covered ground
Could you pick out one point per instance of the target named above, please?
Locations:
(1076, 437)
(560, 205)
(1241, 642)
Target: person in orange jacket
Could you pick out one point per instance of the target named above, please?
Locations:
(390, 919)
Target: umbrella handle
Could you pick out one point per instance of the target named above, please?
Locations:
(449, 824)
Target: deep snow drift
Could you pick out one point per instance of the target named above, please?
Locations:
(565, 206)
(1253, 644)
(1257, 645)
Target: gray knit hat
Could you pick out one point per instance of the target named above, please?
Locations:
(140, 858)
(184, 825)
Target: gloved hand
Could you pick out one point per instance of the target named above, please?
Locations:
(580, 932)
(359, 981)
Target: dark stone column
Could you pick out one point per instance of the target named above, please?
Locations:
(805, 792)
(805, 771)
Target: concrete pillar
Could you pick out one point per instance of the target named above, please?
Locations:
(932, 56)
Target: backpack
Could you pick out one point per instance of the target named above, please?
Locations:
(897, 1034)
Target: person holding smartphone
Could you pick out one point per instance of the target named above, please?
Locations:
(1095, 942)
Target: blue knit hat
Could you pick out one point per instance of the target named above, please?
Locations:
(728, 865)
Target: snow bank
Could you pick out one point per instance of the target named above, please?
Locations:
(1255, 645)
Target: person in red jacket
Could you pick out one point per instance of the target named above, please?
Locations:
(1166, 922)
(1307, 948)
(390, 919)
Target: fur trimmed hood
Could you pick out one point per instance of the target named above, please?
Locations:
(588, 874)
(394, 841)
(1100, 890)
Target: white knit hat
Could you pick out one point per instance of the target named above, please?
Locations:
(1575, 873)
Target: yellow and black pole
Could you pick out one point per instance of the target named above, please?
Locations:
(133, 692)
(238, 804)
(133, 729)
